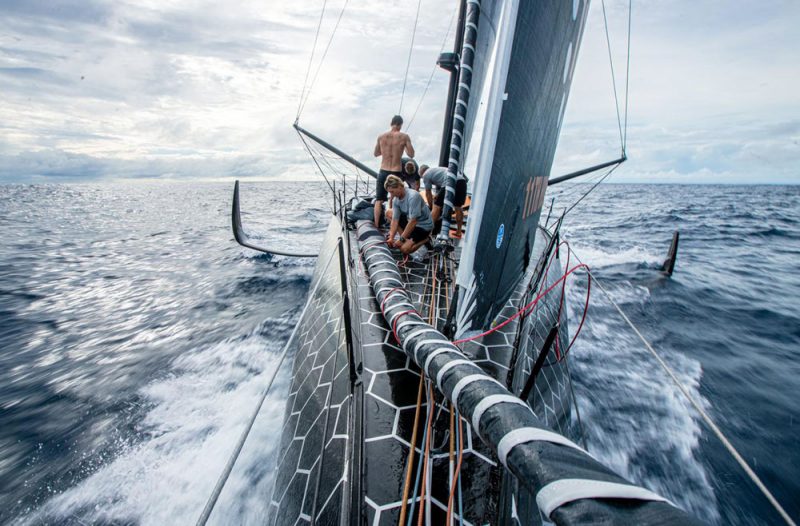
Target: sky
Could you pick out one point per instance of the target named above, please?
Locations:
(196, 90)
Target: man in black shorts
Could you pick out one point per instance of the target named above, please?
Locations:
(408, 206)
(390, 147)
(437, 176)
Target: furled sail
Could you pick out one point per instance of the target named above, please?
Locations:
(524, 59)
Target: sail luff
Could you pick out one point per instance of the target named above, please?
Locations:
(460, 114)
(527, 88)
(497, 73)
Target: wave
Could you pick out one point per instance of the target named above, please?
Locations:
(635, 420)
(196, 413)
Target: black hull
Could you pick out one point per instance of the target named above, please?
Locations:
(350, 411)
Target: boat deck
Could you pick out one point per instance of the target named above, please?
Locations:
(391, 385)
(351, 410)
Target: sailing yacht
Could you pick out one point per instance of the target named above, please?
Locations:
(439, 390)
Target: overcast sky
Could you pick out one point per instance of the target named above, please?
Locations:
(93, 90)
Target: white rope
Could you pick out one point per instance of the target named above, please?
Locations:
(310, 60)
(706, 418)
(321, 61)
(433, 70)
(410, 50)
(613, 76)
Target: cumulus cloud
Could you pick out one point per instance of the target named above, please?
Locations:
(172, 88)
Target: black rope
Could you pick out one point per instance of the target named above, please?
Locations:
(410, 50)
(572, 189)
(313, 158)
(322, 160)
(568, 210)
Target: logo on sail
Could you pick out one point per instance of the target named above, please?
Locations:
(500, 232)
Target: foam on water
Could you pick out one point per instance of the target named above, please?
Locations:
(197, 412)
(599, 258)
(635, 420)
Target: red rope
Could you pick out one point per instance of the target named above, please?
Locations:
(525, 308)
(391, 291)
(585, 310)
(397, 318)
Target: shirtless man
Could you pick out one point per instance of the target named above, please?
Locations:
(390, 147)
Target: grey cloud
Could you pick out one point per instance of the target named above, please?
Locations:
(63, 11)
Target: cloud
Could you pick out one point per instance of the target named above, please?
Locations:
(95, 89)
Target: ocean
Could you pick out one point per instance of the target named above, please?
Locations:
(136, 337)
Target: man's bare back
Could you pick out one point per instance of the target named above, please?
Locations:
(390, 146)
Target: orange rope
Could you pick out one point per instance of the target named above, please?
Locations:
(407, 485)
(458, 471)
(452, 448)
(432, 406)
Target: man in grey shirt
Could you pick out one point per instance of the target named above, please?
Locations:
(410, 214)
(437, 176)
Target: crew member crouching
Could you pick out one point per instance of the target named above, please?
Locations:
(437, 176)
(410, 217)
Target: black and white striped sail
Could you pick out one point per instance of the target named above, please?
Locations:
(524, 58)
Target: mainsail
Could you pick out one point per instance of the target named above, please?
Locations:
(524, 59)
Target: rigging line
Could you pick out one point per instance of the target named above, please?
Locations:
(322, 60)
(575, 405)
(315, 162)
(572, 190)
(327, 161)
(568, 210)
(410, 50)
(627, 78)
(433, 69)
(318, 155)
(613, 77)
(578, 187)
(706, 418)
(412, 450)
(212, 500)
(420, 462)
(310, 60)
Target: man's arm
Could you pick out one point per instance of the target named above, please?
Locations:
(393, 229)
(409, 228)
(377, 151)
(429, 197)
(409, 147)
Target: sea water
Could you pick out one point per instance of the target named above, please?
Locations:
(136, 338)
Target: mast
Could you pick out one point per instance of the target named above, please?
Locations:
(458, 143)
(448, 62)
